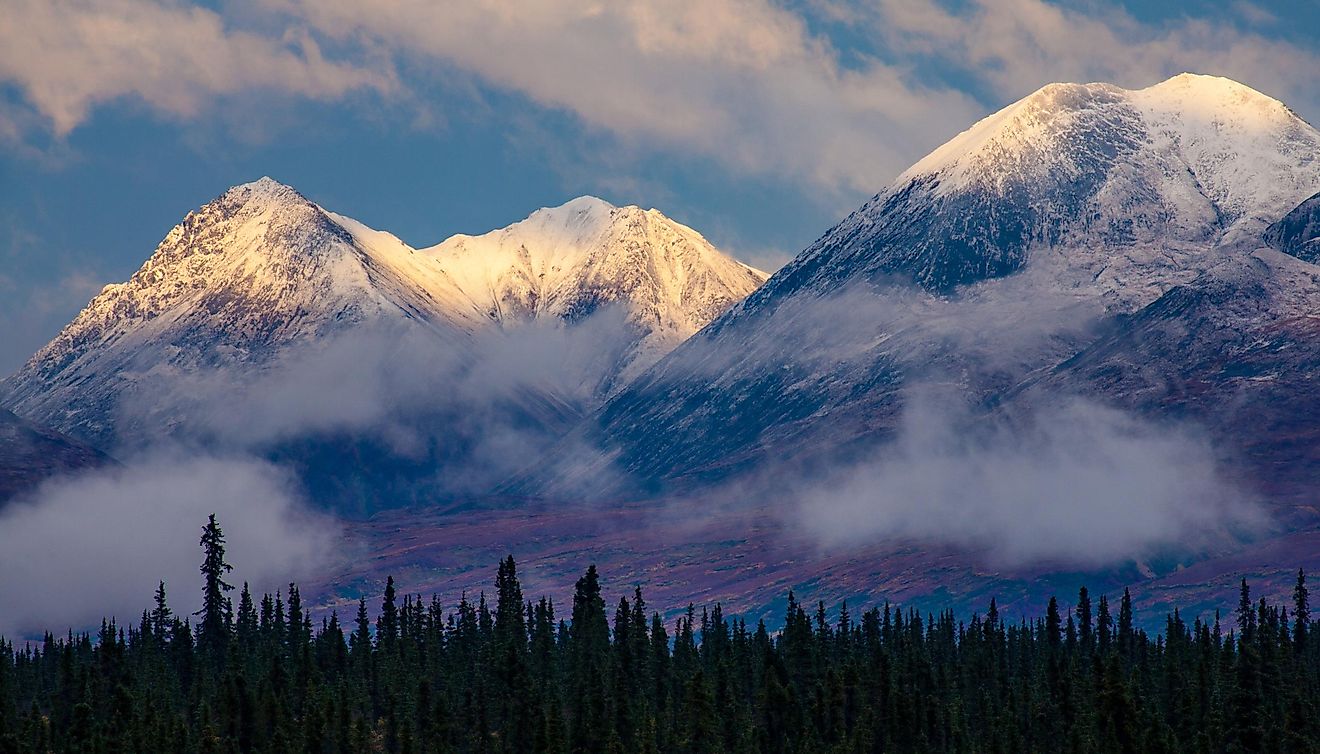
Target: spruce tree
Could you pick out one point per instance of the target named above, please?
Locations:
(246, 627)
(213, 629)
(1301, 611)
(161, 615)
(893, 681)
(589, 663)
(1085, 628)
(1246, 614)
(513, 681)
(1124, 633)
(387, 625)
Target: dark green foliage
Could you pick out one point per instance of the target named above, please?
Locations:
(428, 681)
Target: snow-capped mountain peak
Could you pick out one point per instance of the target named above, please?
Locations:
(1079, 206)
(567, 262)
(1215, 128)
(262, 271)
(1007, 138)
(265, 188)
(1093, 186)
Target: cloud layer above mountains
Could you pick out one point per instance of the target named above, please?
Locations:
(755, 85)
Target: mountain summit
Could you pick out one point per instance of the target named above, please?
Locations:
(567, 262)
(262, 274)
(239, 282)
(1119, 192)
(1002, 254)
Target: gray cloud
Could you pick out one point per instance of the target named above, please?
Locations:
(743, 81)
(752, 84)
(469, 410)
(1073, 483)
(1045, 478)
(1008, 327)
(96, 545)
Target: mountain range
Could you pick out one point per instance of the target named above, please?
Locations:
(1148, 254)
(263, 321)
(261, 271)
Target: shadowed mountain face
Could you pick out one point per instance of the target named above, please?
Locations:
(1051, 224)
(30, 454)
(1238, 353)
(1298, 233)
(1129, 189)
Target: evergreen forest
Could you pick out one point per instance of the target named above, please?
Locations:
(258, 674)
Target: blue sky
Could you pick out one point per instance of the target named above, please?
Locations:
(758, 123)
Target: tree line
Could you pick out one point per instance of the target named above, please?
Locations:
(527, 676)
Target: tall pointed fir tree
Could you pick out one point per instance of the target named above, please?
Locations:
(213, 628)
(589, 666)
(1301, 611)
(512, 677)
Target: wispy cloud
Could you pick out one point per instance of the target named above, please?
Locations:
(461, 413)
(751, 84)
(1073, 483)
(68, 56)
(95, 545)
(1015, 46)
(742, 81)
(920, 454)
(754, 85)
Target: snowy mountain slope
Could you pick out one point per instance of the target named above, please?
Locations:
(567, 262)
(1117, 193)
(266, 322)
(1026, 237)
(233, 286)
(1237, 351)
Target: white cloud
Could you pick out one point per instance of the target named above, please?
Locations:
(1075, 483)
(1016, 46)
(742, 81)
(67, 56)
(749, 84)
(97, 544)
(1254, 14)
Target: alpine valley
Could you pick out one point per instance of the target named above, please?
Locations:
(1123, 283)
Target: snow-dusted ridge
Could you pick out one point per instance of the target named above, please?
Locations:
(1106, 191)
(566, 262)
(1212, 149)
(1081, 208)
(261, 271)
